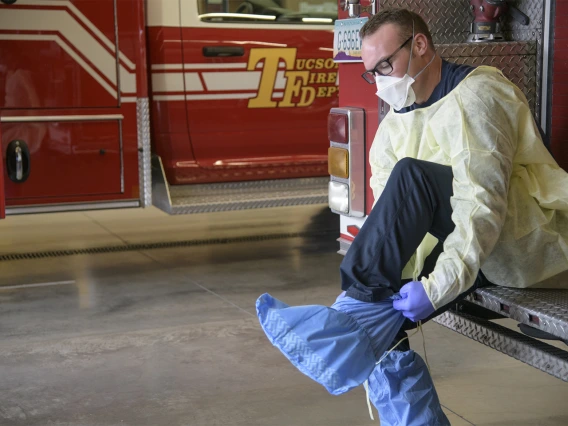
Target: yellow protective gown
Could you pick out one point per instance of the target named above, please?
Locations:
(510, 201)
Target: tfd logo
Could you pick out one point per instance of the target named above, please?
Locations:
(306, 79)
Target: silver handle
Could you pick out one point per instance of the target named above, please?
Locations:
(19, 164)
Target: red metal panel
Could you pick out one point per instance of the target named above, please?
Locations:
(236, 125)
(134, 85)
(132, 44)
(76, 60)
(561, 8)
(77, 158)
(347, 237)
(97, 13)
(130, 152)
(559, 130)
(170, 133)
(67, 166)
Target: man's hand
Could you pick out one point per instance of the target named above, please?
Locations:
(415, 304)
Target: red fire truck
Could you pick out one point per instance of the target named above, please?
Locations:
(530, 44)
(217, 90)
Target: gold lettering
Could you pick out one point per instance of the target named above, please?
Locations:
(331, 77)
(310, 63)
(322, 77)
(296, 79)
(307, 97)
(331, 90)
(313, 76)
(329, 63)
(300, 64)
(322, 92)
(271, 59)
(319, 63)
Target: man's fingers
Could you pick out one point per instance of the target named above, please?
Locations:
(405, 289)
(401, 305)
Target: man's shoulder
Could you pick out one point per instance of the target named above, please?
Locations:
(485, 76)
(454, 74)
(455, 69)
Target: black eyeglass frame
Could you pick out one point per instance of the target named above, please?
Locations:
(372, 72)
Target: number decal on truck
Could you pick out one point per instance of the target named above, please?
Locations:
(346, 40)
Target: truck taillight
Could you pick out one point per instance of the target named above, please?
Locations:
(346, 161)
(338, 162)
(337, 127)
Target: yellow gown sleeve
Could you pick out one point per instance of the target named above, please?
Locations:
(382, 160)
(477, 128)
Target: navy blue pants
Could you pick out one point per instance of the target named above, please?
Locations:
(416, 200)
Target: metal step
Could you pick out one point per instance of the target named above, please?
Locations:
(533, 352)
(545, 310)
(202, 198)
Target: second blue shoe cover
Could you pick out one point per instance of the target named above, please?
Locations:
(328, 346)
(403, 392)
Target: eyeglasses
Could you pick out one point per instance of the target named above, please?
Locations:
(383, 67)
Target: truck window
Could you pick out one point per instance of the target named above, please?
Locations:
(269, 11)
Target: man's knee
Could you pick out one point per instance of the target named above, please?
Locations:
(409, 166)
(406, 165)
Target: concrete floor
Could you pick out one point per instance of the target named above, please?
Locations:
(169, 336)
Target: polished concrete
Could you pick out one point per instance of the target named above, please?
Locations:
(169, 336)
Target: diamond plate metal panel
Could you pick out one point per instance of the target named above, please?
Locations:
(144, 151)
(533, 352)
(546, 310)
(517, 60)
(189, 199)
(450, 21)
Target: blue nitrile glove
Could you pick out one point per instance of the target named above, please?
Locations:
(415, 304)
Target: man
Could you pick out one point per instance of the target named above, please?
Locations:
(461, 159)
(466, 193)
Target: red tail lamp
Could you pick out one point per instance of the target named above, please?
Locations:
(338, 128)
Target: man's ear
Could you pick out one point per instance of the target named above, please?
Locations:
(420, 44)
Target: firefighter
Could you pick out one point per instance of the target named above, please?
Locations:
(466, 195)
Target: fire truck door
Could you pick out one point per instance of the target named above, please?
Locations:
(259, 80)
(59, 100)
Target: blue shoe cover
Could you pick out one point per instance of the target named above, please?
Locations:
(326, 345)
(403, 392)
(380, 320)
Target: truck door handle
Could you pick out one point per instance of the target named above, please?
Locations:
(18, 161)
(19, 164)
(215, 51)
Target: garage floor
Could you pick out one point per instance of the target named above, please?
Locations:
(169, 336)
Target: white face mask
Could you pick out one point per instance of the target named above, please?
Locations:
(397, 91)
